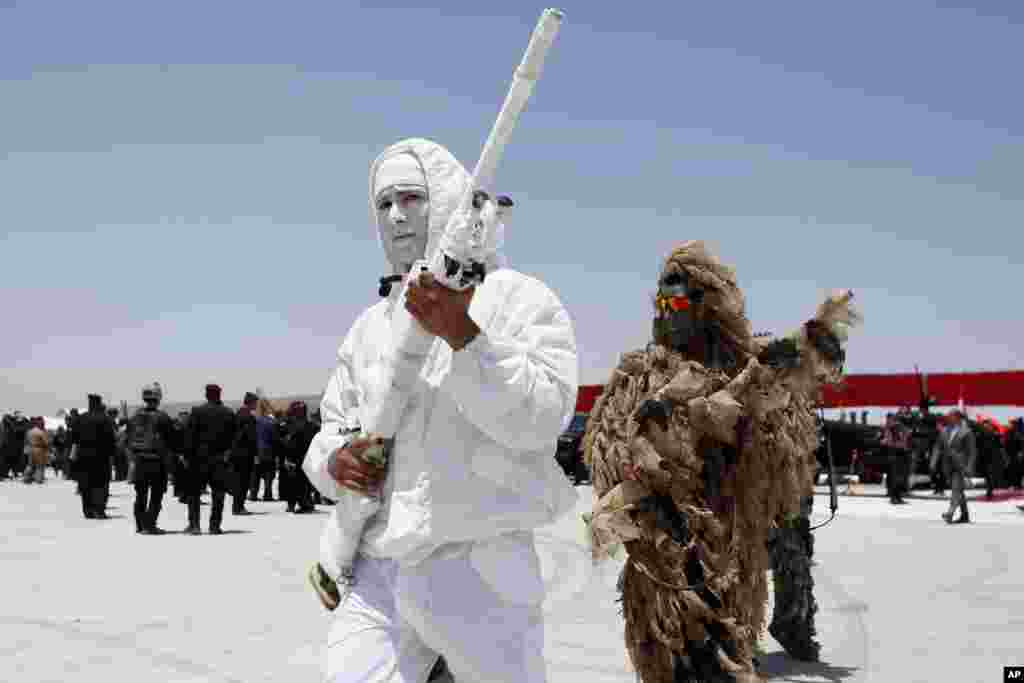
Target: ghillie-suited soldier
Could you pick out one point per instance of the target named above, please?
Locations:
(698, 446)
(791, 547)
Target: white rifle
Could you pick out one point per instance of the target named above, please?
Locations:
(456, 262)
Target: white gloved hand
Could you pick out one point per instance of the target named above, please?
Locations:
(472, 237)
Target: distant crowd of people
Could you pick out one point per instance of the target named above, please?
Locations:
(210, 449)
(25, 447)
(952, 450)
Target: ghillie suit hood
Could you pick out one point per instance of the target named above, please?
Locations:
(723, 303)
(692, 467)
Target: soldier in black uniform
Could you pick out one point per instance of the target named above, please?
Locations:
(120, 451)
(177, 466)
(211, 431)
(93, 433)
(60, 452)
(5, 436)
(1015, 452)
(149, 435)
(296, 488)
(243, 452)
(18, 427)
(70, 421)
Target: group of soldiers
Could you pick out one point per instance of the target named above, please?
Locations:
(210, 449)
(24, 447)
(13, 430)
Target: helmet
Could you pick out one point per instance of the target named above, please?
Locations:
(152, 392)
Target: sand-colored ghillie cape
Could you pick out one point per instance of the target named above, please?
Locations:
(694, 587)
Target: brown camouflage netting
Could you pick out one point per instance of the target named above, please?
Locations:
(766, 414)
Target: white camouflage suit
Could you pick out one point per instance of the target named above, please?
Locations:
(448, 565)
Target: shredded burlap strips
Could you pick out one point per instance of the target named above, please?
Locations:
(705, 596)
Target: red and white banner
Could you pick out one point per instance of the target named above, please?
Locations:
(947, 389)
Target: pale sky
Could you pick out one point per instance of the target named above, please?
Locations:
(184, 184)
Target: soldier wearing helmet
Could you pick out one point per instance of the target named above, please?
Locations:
(149, 435)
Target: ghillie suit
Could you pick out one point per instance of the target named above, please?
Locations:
(697, 446)
(791, 547)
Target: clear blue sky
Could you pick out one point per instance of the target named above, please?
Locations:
(184, 183)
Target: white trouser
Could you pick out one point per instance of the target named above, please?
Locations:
(477, 604)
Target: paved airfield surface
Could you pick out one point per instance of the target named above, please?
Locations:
(903, 597)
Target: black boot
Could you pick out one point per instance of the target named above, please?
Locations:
(238, 504)
(141, 523)
(964, 518)
(216, 511)
(193, 516)
(99, 503)
(155, 505)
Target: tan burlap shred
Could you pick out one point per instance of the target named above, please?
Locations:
(723, 298)
(774, 470)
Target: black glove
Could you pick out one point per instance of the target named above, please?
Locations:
(780, 353)
(825, 342)
(659, 410)
(668, 517)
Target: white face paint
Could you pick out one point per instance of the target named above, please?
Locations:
(402, 215)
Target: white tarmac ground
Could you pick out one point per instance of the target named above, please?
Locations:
(903, 597)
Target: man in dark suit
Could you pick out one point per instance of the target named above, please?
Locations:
(93, 433)
(1015, 452)
(178, 469)
(298, 435)
(243, 452)
(211, 431)
(956, 453)
(896, 442)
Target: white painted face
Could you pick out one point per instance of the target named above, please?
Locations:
(402, 216)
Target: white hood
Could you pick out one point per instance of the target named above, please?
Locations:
(447, 183)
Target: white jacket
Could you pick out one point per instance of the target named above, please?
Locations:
(474, 452)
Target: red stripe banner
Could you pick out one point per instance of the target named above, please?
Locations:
(947, 388)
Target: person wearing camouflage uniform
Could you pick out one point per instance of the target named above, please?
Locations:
(791, 549)
(701, 449)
